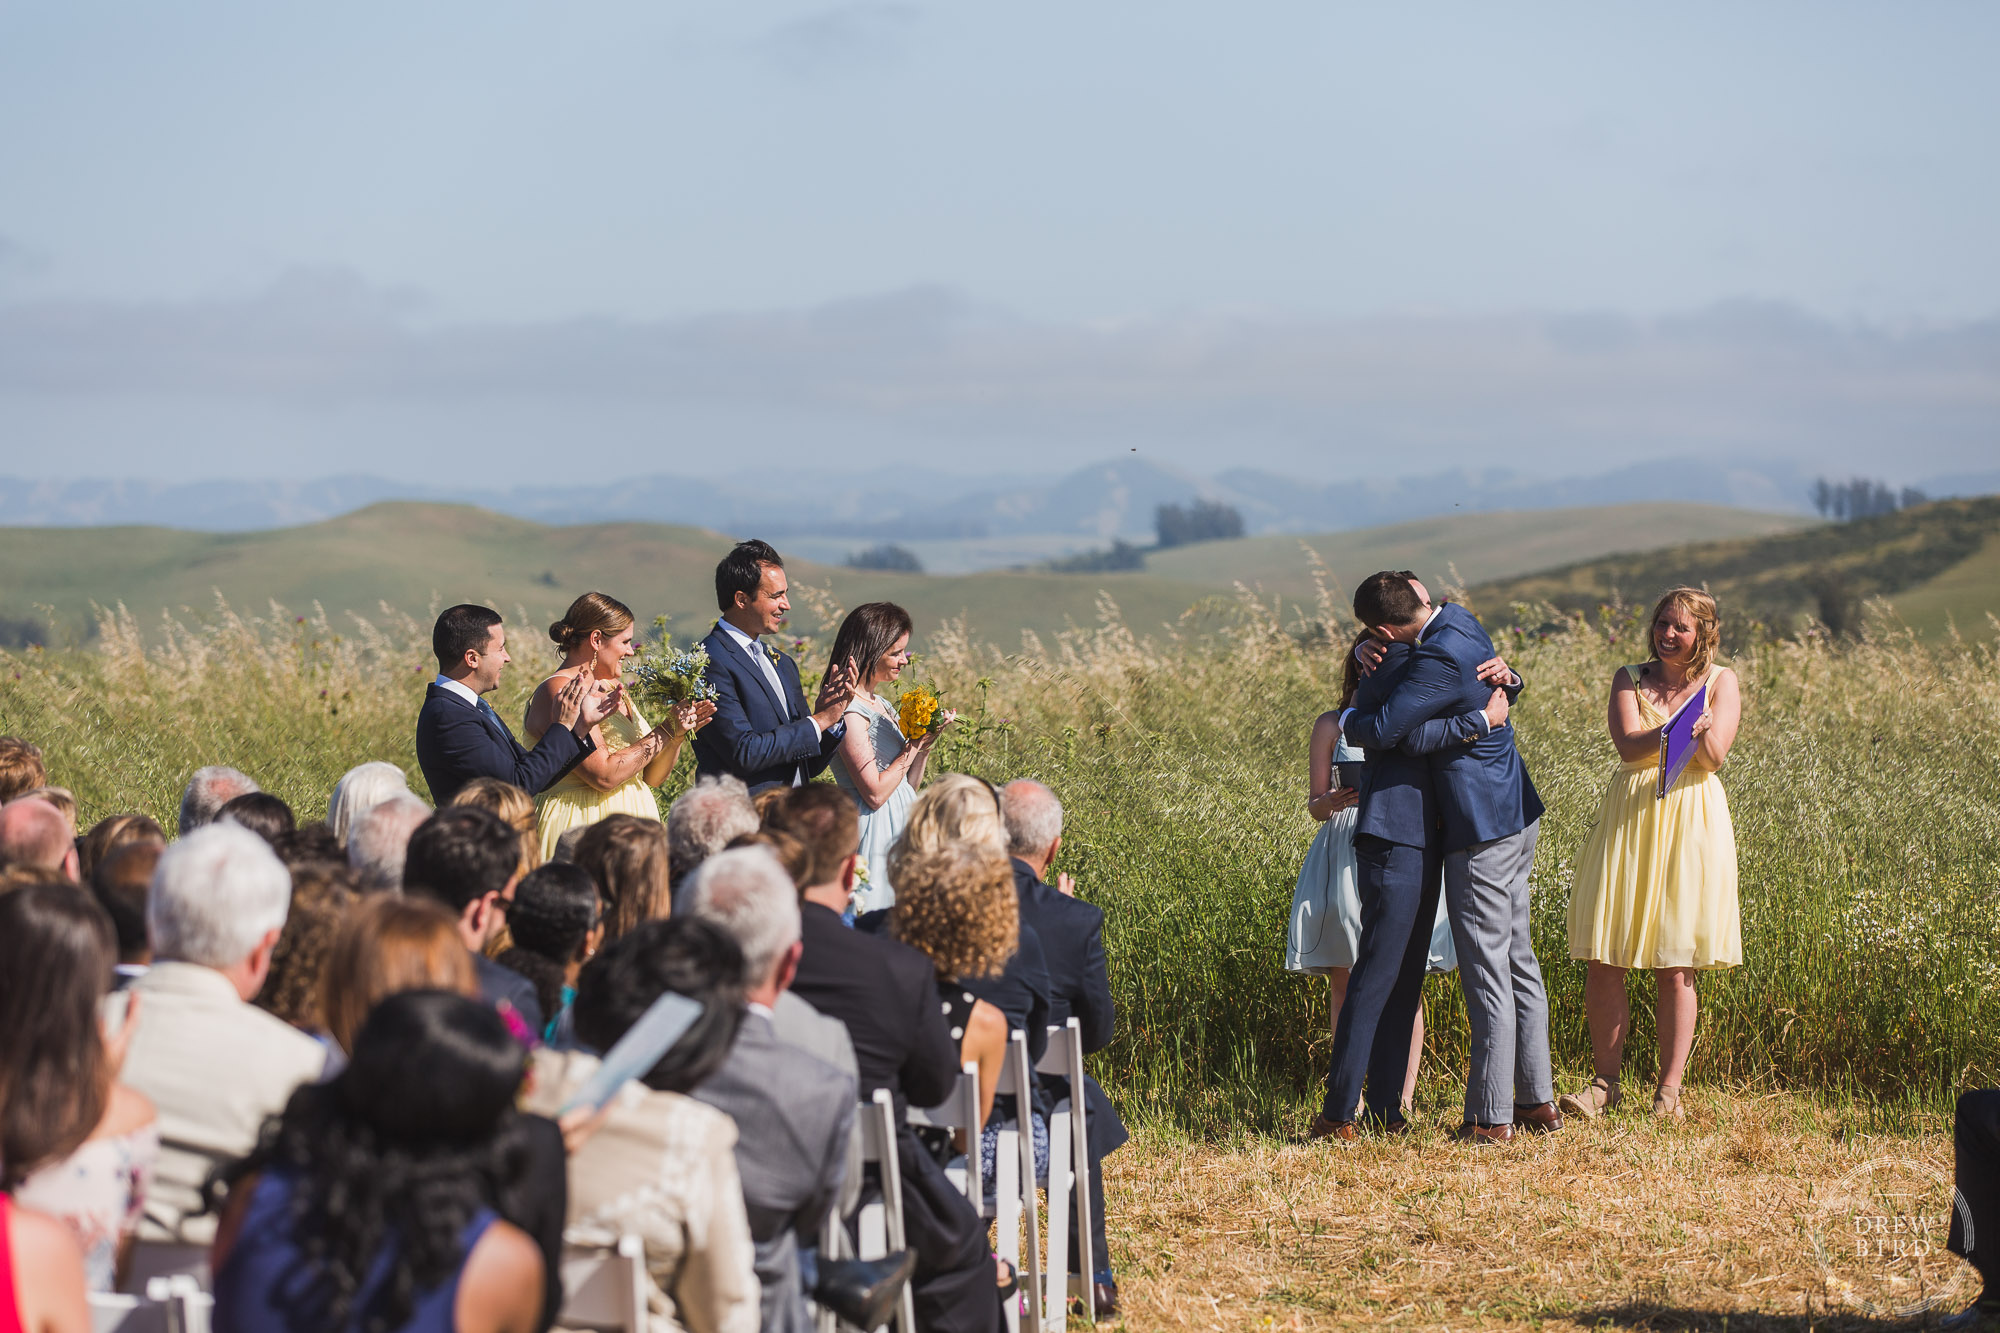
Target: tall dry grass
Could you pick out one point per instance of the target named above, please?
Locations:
(1863, 788)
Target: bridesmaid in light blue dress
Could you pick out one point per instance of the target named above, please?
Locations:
(876, 764)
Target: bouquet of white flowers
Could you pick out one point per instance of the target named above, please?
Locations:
(666, 678)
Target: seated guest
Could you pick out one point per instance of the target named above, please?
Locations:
(42, 1272)
(1975, 1134)
(460, 737)
(794, 1114)
(262, 813)
(309, 844)
(386, 945)
(885, 992)
(556, 927)
(121, 884)
(208, 791)
(466, 859)
(1072, 935)
(321, 897)
(706, 818)
(20, 767)
(34, 835)
(360, 790)
(74, 1143)
(379, 1199)
(213, 1064)
(516, 810)
(661, 1165)
(107, 835)
(958, 910)
(380, 840)
(62, 798)
(627, 857)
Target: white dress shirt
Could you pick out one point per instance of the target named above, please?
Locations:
(770, 668)
(459, 688)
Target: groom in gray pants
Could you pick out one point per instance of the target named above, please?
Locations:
(1490, 817)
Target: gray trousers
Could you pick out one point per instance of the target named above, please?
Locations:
(1486, 896)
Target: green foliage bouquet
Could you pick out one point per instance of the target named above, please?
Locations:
(665, 678)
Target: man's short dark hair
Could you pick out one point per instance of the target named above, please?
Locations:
(1387, 598)
(742, 570)
(263, 814)
(823, 819)
(460, 630)
(459, 855)
(683, 954)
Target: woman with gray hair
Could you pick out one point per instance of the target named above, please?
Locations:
(360, 790)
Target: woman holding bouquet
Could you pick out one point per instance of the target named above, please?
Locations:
(1655, 886)
(877, 764)
(631, 758)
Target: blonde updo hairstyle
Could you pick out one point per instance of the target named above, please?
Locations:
(1701, 609)
(953, 811)
(592, 613)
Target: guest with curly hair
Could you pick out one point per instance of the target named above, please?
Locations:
(322, 894)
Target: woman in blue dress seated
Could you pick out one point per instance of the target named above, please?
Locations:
(371, 1203)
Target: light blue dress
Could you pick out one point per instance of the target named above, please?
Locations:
(1325, 930)
(879, 828)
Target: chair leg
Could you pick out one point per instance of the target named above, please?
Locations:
(1007, 1212)
(1055, 1305)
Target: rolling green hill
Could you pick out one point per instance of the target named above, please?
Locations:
(1937, 564)
(1482, 546)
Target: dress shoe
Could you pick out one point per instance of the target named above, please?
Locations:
(1322, 1128)
(1104, 1292)
(1479, 1135)
(864, 1292)
(1542, 1118)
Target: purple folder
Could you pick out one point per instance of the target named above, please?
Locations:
(1677, 742)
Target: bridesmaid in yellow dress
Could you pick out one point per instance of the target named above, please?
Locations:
(1655, 886)
(630, 758)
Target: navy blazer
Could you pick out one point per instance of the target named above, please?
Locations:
(1398, 801)
(754, 734)
(1072, 937)
(457, 743)
(1483, 791)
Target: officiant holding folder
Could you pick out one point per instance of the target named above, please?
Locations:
(1655, 886)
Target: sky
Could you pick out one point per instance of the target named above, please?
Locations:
(674, 236)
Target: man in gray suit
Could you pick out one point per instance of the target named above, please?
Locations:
(794, 1111)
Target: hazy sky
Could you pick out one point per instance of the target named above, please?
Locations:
(299, 240)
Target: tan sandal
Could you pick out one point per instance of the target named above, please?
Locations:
(1667, 1104)
(1593, 1101)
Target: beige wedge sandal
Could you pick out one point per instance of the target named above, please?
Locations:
(1593, 1101)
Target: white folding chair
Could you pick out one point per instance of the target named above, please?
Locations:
(880, 1225)
(170, 1305)
(1014, 1183)
(153, 1259)
(1069, 1177)
(605, 1288)
(960, 1111)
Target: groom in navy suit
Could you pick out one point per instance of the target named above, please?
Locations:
(763, 732)
(460, 737)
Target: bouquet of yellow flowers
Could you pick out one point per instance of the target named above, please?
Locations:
(666, 678)
(920, 711)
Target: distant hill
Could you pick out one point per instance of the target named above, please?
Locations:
(1937, 563)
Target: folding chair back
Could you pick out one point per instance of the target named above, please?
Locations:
(605, 1289)
(1014, 1182)
(881, 1222)
(1069, 1177)
(960, 1111)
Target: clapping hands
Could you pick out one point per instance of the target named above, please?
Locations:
(842, 678)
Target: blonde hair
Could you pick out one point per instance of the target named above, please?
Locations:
(62, 798)
(592, 613)
(515, 808)
(389, 944)
(957, 906)
(954, 811)
(1707, 627)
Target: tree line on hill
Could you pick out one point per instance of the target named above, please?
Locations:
(1858, 497)
(1173, 525)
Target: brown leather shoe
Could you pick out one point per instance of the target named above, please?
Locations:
(1322, 1128)
(1479, 1135)
(1540, 1119)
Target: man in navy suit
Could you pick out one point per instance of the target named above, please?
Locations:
(1072, 936)
(1490, 816)
(762, 731)
(460, 737)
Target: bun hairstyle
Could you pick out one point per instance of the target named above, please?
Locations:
(594, 612)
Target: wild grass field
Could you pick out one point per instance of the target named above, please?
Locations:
(1865, 789)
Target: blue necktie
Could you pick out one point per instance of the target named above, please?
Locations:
(487, 709)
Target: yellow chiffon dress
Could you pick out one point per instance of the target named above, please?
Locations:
(1655, 886)
(573, 803)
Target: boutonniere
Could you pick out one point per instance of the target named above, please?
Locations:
(776, 656)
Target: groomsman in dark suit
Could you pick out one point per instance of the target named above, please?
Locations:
(460, 737)
(1975, 1225)
(763, 732)
(1072, 936)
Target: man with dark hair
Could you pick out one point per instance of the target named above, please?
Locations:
(886, 994)
(460, 737)
(762, 731)
(469, 860)
(1489, 815)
